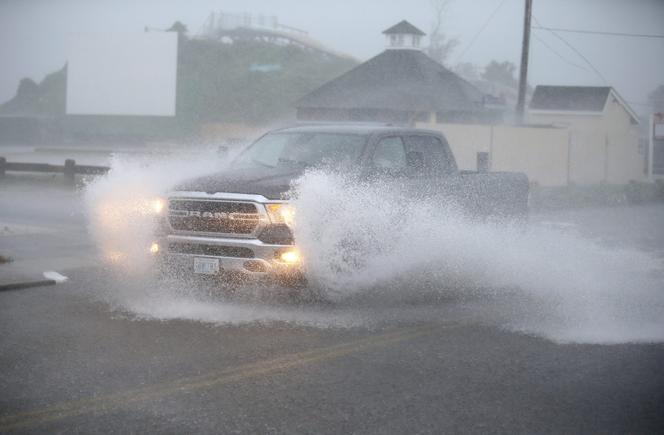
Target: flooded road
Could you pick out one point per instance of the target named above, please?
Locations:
(107, 354)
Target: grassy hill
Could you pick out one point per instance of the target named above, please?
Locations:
(46, 98)
(252, 82)
(216, 82)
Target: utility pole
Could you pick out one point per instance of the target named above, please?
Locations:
(523, 72)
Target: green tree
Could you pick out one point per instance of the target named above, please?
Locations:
(440, 46)
(467, 70)
(500, 72)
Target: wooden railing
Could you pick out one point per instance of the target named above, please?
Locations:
(70, 169)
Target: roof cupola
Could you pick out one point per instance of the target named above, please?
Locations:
(403, 36)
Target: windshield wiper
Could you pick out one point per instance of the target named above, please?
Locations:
(263, 164)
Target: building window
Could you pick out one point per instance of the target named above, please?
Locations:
(416, 41)
(400, 39)
(393, 40)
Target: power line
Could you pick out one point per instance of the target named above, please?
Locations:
(598, 32)
(585, 59)
(564, 59)
(639, 103)
(479, 32)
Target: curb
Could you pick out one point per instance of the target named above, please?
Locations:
(27, 284)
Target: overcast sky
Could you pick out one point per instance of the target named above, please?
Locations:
(33, 33)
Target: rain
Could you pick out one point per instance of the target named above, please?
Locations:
(377, 217)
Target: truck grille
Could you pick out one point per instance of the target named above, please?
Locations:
(212, 250)
(226, 217)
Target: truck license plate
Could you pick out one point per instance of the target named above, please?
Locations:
(206, 266)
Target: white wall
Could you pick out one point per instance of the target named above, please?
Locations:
(604, 146)
(122, 74)
(540, 153)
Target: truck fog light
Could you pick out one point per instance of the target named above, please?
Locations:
(154, 248)
(292, 256)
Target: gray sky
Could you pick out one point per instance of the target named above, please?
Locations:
(33, 33)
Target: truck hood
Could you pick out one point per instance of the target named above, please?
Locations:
(272, 183)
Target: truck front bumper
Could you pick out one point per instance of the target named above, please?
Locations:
(249, 257)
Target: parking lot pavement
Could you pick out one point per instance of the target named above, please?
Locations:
(31, 252)
(42, 229)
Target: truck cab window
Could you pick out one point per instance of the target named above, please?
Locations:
(390, 153)
(302, 150)
(436, 157)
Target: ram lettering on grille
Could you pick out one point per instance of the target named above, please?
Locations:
(213, 216)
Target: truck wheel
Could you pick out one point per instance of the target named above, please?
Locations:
(293, 281)
(299, 290)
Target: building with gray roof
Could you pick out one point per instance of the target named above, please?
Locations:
(400, 85)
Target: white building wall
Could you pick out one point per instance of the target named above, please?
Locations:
(540, 153)
(604, 147)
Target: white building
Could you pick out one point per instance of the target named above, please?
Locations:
(604, 139)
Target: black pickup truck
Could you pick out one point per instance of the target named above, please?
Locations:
(240, 222)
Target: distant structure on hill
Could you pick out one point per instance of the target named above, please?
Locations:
(226, 27)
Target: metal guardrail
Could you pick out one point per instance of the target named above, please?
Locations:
(70, 169)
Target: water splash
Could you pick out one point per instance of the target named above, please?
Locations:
(385, 258)
(121, 206)
(360, 238)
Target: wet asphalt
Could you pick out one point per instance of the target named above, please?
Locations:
(73, 362)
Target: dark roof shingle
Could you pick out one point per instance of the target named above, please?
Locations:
(403, 80)
(570, 98)
(403, 27)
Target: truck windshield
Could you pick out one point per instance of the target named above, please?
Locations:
(302, 149)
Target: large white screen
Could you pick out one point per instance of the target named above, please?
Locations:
(122, 74)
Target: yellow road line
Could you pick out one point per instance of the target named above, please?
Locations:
(186, 385)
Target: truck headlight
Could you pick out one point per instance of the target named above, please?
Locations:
(157, 205)
(281, 213)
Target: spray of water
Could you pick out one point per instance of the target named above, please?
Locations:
(359, 238)
(123, 206)
(375, 253)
